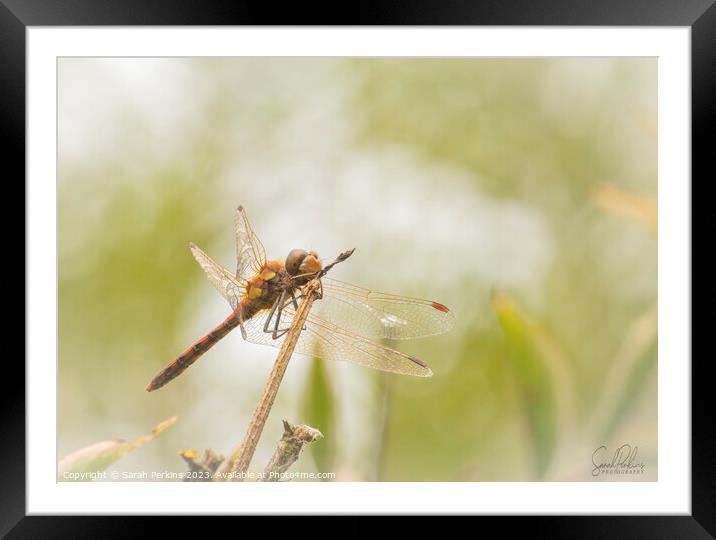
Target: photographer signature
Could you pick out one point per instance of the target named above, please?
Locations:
(622, 462)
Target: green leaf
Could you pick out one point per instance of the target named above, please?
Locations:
(82, 464)
(534, 380)
(318, 410)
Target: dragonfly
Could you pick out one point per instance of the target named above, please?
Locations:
(346, 322)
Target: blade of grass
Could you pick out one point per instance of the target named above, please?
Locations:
(633, 363)
(318, 409)
(82, 463)
(635, 207)
(534, 381)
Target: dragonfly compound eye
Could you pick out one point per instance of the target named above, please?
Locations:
(294, 260)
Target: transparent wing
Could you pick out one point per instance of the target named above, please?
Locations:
(228, 286)
(250, 252)
(325, 340)
(380, 315)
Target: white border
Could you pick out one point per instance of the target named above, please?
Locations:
(671, 494)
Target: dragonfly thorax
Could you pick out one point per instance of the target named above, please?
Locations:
(264, 283)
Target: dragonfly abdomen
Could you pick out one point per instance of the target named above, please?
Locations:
(193, 353)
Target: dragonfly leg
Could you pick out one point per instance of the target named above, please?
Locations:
(295, 303)
(278, 316)
(293, 299)
(319, 293)
(278, 332)
(306, 275)
(272, 312)
(277, 311)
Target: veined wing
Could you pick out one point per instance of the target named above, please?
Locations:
(380, 315)
(228, 286)
(326, 340)
(250, 252)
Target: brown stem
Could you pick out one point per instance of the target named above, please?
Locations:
(201, 470)
(238, 463)
(289, 447)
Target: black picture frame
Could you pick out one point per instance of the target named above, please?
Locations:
(699, 15)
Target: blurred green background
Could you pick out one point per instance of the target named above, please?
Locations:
(521, 193)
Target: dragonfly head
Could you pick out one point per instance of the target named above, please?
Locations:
(300, 262)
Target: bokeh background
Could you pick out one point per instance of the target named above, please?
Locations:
(519, 192)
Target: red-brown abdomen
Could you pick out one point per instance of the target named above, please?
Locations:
(193, 353)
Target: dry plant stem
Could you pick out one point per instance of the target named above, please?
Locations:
(289, 447)
(238, 462)
(201, 469)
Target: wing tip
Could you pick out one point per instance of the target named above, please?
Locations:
(418, 361)
(440, 307)
(427, 371)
